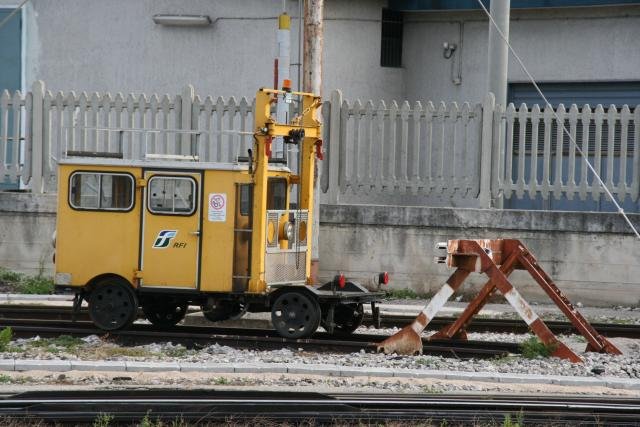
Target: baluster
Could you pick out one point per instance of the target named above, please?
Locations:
(533, 157)
(557, 181)
(219, 128)
(131, 138)
(80, 137)
(355, 150)
(244, 111)
(48, 169)
(523, 114)
(571, 174)
(118, 137)
(369, 147)
(623, 186)
(403, 157)
(57, 145)
(92, 122)
(392, 173)
(14, 165)
(4, 128)
(343, 164)
(166, 142)
(143, 105)
(598, 116)
(427, 175)
(635, 183)
(498, 154)
(208, 125)
(380, 130)
(510, 115)
(415, 178)
(586, 125)
(103, 120)
(451, 184)
(612, 116)
(231, 147)
(442, 136)
(154, 138)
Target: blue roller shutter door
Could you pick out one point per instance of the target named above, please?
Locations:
(616, 93)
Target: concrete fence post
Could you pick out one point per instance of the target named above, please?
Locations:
(186, 100)
(35, 149)
(486, 149)
(333, 191)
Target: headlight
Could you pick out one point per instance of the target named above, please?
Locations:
(288, 231)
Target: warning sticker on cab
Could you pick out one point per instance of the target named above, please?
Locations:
(218, 207)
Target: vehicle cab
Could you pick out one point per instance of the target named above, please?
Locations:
(166, 231)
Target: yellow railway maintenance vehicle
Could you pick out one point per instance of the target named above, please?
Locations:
(165, 232)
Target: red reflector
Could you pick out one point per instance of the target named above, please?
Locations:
(383, 278)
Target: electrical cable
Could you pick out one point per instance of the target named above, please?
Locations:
(558, 121)
(9, 16)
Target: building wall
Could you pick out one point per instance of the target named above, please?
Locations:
(557, 45)
(94, 45)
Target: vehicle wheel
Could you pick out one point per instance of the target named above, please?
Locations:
(164, 312)
(113, 305)
(348, 317)
(225, 310)
(295, 315)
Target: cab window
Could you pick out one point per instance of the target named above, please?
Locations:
(277, 194)
(172, 195)
(101, 191)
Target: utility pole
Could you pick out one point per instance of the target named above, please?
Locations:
(498, 51)
(312, 82)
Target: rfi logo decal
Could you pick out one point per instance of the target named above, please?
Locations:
(164, 238)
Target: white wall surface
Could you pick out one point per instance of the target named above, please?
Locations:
(114, 45)
(570, 44)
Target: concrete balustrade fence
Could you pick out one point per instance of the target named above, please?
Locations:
(535, 155)
(435, 154)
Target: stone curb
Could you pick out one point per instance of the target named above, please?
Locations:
(34, 297)
(19, 365)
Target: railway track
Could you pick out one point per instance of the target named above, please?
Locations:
(8, 311)
(517, 326)
(217, 406)
(192, 336)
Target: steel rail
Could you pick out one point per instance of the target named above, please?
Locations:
(10, 311)
(225, 405)
(250, 338)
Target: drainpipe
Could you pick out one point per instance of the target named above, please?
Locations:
(498, 51)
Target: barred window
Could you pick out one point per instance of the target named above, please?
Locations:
(391, 44)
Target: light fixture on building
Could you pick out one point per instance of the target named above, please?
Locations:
(182, 20)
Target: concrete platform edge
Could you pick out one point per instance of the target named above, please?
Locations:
(24, 365)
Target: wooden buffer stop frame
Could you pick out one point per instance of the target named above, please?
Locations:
(497, 259)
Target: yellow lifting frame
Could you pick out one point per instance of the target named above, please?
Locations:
(266, 128)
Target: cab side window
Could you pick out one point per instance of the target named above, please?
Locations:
(101, 191)
(277, 194)
(172, 195)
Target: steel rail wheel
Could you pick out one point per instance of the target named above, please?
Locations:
(164, 312)
(225, 310)
(113, 305)
(348, 317)
(295, 315)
